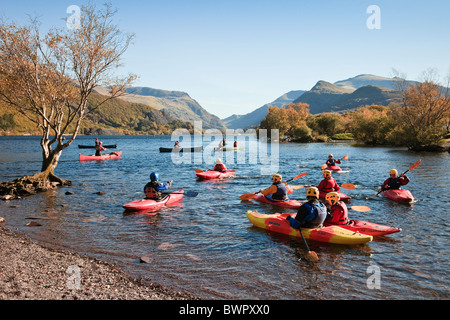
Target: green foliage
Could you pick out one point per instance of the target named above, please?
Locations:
(343, 136)
(7, 121)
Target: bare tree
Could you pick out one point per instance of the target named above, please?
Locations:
(49, 78)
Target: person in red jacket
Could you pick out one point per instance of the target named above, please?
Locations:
(328, 184)
(337, 210)
(394, 181)
(332, 162)
(220, 166)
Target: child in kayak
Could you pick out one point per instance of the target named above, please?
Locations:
(394, 181)
(328, 184)
(220, 166)
(153, 189)
(338, 211)
(279, 189)
(311, 214)
(332, 162)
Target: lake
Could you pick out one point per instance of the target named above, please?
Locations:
(206, 246)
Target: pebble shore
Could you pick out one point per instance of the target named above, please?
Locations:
(31, 271)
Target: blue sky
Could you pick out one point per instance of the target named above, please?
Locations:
(235, 56)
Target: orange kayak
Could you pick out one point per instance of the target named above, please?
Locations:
(332, 234)
(112, 155)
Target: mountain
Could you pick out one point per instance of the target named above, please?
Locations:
(365, 80)
(175, 103)
(254, 118)
(349, 94)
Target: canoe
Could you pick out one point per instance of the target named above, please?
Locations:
(332, 234)
(150, 204)
(342, 196)
(228, 149)
(369, 228)
(108, 156)
(193, 149)
(211, 174)
(333, 168)
(111, 146)
(293, 204)
(399, 195)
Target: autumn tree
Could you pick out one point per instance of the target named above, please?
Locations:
(422, 116)
(48, 78)
(372, 124)
(286, 119)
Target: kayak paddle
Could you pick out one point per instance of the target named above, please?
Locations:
(311, 256)
(251, 195)
(186, 193)
(415, 165)
(350, 186)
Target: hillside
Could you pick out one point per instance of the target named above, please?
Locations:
(114, 117)
(254, 118)
(178, 104)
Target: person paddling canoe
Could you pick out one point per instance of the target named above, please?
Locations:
(338, 211)
(394, 181)
(153, 189)
(279, 189)
(99, 148)
(311, 214)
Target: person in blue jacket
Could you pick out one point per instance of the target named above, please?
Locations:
(311, 214)
(153, 189)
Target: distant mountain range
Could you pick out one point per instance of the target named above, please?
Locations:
(364, 89)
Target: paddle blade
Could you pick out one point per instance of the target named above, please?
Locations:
(191, 193)
(323, 166)
(415, 165)
(311, 256)
(297, 187)
(299, 176)
(360, 208)
(350, 186)
(345, 158)
(198, 170)
(247, 196)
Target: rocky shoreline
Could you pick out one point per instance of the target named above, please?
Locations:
(31, 271)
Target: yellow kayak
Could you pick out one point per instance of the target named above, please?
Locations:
(332, 234)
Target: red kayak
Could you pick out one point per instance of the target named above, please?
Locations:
(293, 204)
(150, 204)
(333, 168)
(343, 197)
(398, 195)
(211, 174)
(365, 227)
(112, 155)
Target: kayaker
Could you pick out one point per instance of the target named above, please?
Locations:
(332, 162)
(337, 210)
(235, 144)
(177, 144)
(311, 214)
(394, 181)
(99, 148)
(328, 184)
(96, 142)
(153, 189)
(279, 189)
(220, 166)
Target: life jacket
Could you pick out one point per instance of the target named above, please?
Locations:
(317, 214)
(396, 183)
(220, 167)
(281, 193)
(152, 191)
(339, 214)
(328, 185)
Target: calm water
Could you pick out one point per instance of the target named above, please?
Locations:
(206, 246)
